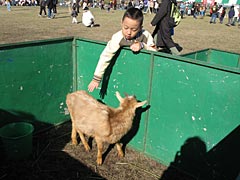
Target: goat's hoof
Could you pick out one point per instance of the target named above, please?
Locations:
(99, 161)
(74, 142)
(87, 148)
(121, 155)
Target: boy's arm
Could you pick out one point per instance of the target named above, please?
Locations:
(104, 60)
(106, 57)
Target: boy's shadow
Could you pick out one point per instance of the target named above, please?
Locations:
(107, 74)
(190, 160)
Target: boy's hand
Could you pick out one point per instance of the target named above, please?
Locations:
(136, 46)
(93, 85)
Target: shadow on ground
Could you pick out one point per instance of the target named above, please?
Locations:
(49, 159)
(193, 162)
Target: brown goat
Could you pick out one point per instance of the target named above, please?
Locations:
(103, 123)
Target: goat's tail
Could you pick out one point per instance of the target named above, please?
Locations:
(69, 102)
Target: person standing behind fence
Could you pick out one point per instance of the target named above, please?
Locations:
(102, 4)
(194, 10)
(222, 15)
(8, 2)
(145, 6)
(74, 15)
(235, 18)
(78, 6)
(50, 8)
(156, 6)
(202, 10)
(55, 2)
(162, 29)
(214, 13)
(151, 6)
(231, 14)
(182, 9)
(42, 5)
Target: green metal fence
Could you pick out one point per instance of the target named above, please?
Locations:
(35, 78)
(189, 96)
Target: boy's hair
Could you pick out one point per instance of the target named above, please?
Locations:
(134, 13)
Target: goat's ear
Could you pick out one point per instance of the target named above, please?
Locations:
(139, 104)
(119, 96)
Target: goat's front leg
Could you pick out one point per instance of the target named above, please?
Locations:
(119, 149)
(99, 153)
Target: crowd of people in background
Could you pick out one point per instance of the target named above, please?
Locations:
(48, 8)
(19, 2)
(216, 11)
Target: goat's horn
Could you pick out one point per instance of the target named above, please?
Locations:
(119, 96)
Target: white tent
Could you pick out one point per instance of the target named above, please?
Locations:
(228, 2)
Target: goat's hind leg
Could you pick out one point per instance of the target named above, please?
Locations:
(100, 149)
(74, 135)
(86, 146)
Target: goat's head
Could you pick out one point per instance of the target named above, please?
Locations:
(129, 101)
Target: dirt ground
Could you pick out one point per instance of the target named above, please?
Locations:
(54, 157)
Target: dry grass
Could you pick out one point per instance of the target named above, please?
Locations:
(23, 24)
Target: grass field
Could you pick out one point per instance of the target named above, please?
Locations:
(23, 24)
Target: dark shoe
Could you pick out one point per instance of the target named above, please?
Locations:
(179, 48)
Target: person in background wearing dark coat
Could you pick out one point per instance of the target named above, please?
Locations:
(163, 29)
(231, 14)
(42, 7)
(55, 2)
(78, 6)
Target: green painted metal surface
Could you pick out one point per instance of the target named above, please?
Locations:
(216, 57)
(35, 78)
(190, 97)
(189, 100)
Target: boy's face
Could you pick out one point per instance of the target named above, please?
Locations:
(130, 28)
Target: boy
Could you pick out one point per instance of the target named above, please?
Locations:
(131, 35)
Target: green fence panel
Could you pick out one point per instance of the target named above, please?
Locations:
(35, 78)
(216, 57)
(190, 100)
